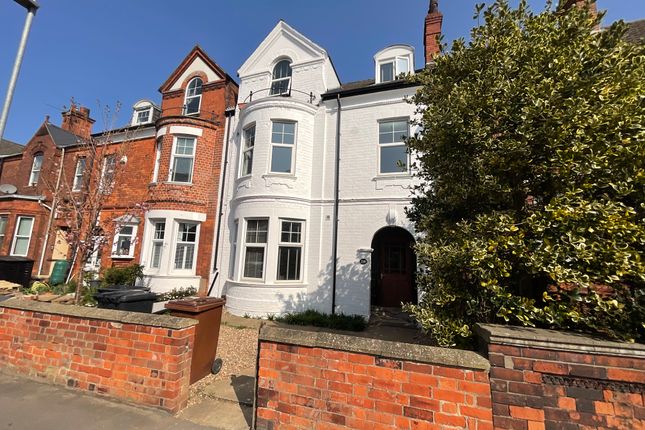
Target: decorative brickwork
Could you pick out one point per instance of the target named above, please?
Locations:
(542, 379)
(315, 380)
(139, 358)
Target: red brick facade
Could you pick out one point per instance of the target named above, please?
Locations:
(103, 353)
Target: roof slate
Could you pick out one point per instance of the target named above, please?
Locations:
(8, 147)
(635, 32)
(62, 138)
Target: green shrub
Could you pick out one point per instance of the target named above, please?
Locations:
(317, 319)
(126, 275)
(531, 166)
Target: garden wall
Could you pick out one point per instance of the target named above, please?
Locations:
(311, 379)
(543, 379)
(142, 358)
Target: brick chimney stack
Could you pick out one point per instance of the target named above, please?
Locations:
(593, 8)
(434, 18)
(78, 121)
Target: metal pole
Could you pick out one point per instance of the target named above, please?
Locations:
(16, 69)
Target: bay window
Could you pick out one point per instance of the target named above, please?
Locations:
(247, 152)
(255, 248)
(290, 250)
(183, 157)
(282, 142)
(158, 235)
(185, 247)
(22, 236)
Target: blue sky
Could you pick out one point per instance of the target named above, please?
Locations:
(123, 50)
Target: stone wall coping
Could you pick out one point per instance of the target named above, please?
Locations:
(556, 340)
(323, 338)
(164, 321)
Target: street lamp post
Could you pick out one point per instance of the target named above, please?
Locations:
(31, 7)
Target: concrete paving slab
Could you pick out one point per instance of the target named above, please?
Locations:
(27, 405)
(223, 413)
(239, 389)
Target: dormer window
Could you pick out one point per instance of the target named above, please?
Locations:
(391, 69)
(392, 62)
(193, 97)
(144, 112)
(281, 83)
(143, 116)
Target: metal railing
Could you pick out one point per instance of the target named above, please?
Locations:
(182, 111)
(266, 92)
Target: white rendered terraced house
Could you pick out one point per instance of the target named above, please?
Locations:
(316, 181)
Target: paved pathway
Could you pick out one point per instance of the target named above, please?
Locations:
(28, 405)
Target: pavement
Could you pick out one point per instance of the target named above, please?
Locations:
(26, 404)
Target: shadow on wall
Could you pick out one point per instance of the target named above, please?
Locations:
(352, 291)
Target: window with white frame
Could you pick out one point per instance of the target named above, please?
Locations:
(193, 97)
(281, 82)
(393, 156)
(22, 237)
(123, 245)
(3, 228)
(158, 236)
(290, 250)
(94, 262)
(390, 69)
(283, 136)
(247, 151)
(143, 116)
(78, 174)
(108, 172)
(185, 249)
(255, 243)
(183, 157)
(36, 165)
(231, 269)
(158, 146)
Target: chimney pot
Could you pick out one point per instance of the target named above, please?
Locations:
(432, 32)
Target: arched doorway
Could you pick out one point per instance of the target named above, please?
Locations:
(393, 268)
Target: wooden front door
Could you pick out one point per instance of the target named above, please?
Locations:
(395, 268)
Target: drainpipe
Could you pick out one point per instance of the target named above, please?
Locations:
(221, 200)
(51, 213)
(336, 194)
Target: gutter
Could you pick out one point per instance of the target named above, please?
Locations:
(336, 203)
(229, 115)
(373, 88)
(52, 211)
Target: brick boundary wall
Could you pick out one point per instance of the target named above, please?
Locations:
(140, 358)
(311, 379)
(544, 379)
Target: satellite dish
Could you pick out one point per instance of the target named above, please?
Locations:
(8, 189)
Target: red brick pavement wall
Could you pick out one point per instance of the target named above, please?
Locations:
(314, 388)
(536, 388)
(137, 363)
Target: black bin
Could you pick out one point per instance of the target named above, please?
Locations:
(132, 300)
(16, 270)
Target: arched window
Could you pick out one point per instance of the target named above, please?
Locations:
(36, 165)
(193, 97)
(281, 82)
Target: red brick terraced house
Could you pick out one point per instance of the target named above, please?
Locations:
(161, 210)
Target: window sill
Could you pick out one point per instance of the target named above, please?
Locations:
(280, 175)
(245, 177)
(122, 257)
(185, 184)
(386, 176)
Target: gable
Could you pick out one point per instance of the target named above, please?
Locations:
(282, 41)
(195, 61)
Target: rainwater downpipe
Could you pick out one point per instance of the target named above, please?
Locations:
(221, 201)
(336, 216)
(51, 213)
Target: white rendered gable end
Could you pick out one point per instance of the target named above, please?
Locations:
(197, 65)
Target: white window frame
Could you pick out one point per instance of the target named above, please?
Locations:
(247, 150)
(4, 221)
(178, 242)
(262, 245)
(158, 149)
(395, 61)
(139, 112)
(78, 176)
(154, 241)
(36, 167)
(194, 95)
(173, 156)
(233, 254)
(16, 236)
(94, 262)
(105, 188)
(133, 241)
(275, 80)
(391, 145)
(292, 146)
(289, 244)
